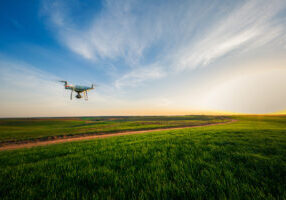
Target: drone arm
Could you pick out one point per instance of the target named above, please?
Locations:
(85, 95)
(93, 86)
(65, 82)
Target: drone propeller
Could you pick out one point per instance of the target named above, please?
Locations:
(65, 82)
(94, 85)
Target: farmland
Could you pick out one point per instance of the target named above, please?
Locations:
(242, 160)
(13, 130)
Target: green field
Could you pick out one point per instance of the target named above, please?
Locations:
(49, 128)
(242, 160)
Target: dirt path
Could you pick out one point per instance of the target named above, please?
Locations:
(104, 135)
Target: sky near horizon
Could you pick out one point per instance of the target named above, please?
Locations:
(146, 57)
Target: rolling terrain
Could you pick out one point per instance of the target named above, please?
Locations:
(245, 159)
(24, 130)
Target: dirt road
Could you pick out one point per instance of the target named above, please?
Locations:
(30, 144)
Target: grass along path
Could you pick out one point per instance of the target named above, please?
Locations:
(241, 160)
(21, 130)
(29, 144)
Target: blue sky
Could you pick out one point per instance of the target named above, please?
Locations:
(147, 57)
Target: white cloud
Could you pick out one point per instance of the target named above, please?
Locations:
(120, 30)
(248, 26)
(30, 92)
(139, 75)
(185, 36)
(114, 32)
(22, 83)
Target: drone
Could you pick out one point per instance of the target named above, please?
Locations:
(78, 89)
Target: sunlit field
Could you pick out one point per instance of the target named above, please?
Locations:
(147, 100)
(12, 130)
(242, 160)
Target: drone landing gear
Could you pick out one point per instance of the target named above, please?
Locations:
(78, 96)
(85, 95)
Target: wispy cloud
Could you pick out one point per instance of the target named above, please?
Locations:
(30, 92)
(181, 36)
(114, 32)
(27, 83)
(175, 53)
(139, 75)
(250, 25)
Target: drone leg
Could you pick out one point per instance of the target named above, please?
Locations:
(86, 95)
(71, 94)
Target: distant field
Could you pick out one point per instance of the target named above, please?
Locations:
(24, 129)
(242, 160)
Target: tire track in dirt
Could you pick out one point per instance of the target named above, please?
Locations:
(30, 144)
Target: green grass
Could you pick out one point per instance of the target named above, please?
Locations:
(26, 129)
(242, 160)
